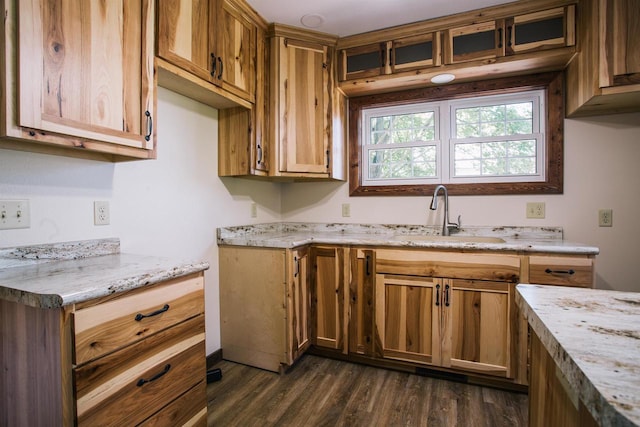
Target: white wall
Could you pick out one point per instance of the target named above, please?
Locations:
(167, 207)
(601, 171)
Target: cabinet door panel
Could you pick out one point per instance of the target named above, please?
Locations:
(542, 30)
(361, 302)
(623, 21)
(236, 50)
(304, 132)
(363, 61)
(329, 299)
(298, 303)
(181, 36)
(87, 70)
(472, 42)
(407, 318)
(479, 322)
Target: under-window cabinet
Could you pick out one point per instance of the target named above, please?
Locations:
(327, 286)
(402, 54)
(264, 305)
(604, 77)
(304, 106)
(211, 39)
(540, 30)
(78, 78)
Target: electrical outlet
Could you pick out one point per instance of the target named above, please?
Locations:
(14, 214)
(605, 218)
(535, 210)
(346, 210)
(101, 214)
(254, 210)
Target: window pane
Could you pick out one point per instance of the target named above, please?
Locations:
(403, 163)
(494, 120)
(380, 137)
(496, 158)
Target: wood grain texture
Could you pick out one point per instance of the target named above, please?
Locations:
(299, 303)
(36, 367)
(322, 391)
(82, 85)
(361, 301)
(109, 326)
(188, 410)
(567, 271)
(328, 289)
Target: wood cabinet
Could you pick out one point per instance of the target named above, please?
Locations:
(302, 105)
(440, 316)
(361, 301)
(264, 302)
(504, 40)
(604, 77)
(78, 78)
(135, 357)
(328, 289)
(561, 270)
(211, 39)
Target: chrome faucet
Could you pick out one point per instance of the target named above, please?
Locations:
(446, 225)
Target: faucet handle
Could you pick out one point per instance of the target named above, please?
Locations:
(455, 225)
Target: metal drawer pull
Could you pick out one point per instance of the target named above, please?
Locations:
(141, 316)
(568, 272)
(437, 295)
(446, 295)
(366, 266)
(142, 381)
(147, 137)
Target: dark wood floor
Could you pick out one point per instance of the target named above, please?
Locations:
(325, 392)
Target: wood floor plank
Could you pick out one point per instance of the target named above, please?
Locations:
(323, 392)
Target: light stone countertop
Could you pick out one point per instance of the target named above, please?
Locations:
(60, 274)
(593, 336)
(290, 235)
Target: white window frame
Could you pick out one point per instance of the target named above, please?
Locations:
(445, 138)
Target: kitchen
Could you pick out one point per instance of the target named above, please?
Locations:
(153, 213)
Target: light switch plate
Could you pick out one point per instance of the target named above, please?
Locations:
(346, 210)
(14, 214)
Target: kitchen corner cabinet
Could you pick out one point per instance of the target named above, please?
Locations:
(264, 305)
(604, 77)
(327, 287)
(78, 78)
(211, 39)
(303, 105)
(137, 357)
(446, 310)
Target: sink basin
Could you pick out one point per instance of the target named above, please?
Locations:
(461, 239)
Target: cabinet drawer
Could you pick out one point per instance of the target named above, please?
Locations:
(568, 271)
(108, 326)
(483, 266)
(189, 409)
(130, 385)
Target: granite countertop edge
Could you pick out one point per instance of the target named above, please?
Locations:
(593, 396)
(62, 274)
(291, 235)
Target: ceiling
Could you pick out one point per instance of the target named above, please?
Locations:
(348, 17)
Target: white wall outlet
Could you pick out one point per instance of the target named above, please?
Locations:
(605, 218)
(346, 210)
(14, 214)
(254, 210)
(101, 215)
(535, 210)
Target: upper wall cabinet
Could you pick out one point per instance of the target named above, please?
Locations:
(215, 42)
(511, 39)
(304, 104)
(78, 78)
(605, 75)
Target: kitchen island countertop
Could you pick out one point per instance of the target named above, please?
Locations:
(57, 275)
(593, 337)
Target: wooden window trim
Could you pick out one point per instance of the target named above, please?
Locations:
(552, 83)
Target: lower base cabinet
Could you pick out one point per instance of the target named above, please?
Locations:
(132, 358)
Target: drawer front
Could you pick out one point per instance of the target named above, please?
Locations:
(106, 327)
(190, 409)
(484, 266)
(130, 385)
(567, 271)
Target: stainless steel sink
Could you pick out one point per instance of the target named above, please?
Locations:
(461, 239)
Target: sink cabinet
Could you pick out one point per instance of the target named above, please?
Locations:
(129, 358)
(94, 98)
(440, 315)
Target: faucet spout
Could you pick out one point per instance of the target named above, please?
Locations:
(447, 225)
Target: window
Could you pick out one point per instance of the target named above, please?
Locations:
(492, 137)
